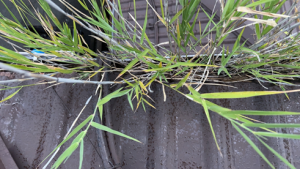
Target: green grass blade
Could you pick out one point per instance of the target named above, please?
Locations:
(258, 3)
(191, 31)
(277, 135)
(235, 95)
(107, 129)
(210, 124)
(227, 9)
(134, 35)
(162, 10)
(261, 113)
(252, 145)
(108, 97)
(176, 16)
(129, 99)
(11, 13)
(272, 125)
(83, 5)
(237, 42)
(10, 96)
(257, 29)
(144, 26)
(81, 153)
(74, 131)
(129, 66)
(277, 154)
(192, 9)
(183, 81)
(64, 155)
(12, 54)
(120, 11)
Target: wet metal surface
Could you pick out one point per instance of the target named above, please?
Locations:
(177, 135)
(34, 121)
(6, 161)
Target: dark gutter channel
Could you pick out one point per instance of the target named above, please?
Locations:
(6, 160)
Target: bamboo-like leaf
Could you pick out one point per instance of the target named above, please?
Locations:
(272, 125)
(277, 154)
(252, 145)
(81, 153)
(256, 3)
(237, 42)
(144, 27)
(10, 96)
(162, 10)
(129, 66)
(134, 35)
(183, 80)
(261, 113)
(115, 94)
(79, 137)
(144, 100)
(83, 5)
(64, 155)
(191, 31)
(120, 11)
(100, 107)
(13, 54)
(257, 29)
(278, 135)
(228, 6)
(210, 124)
(176, 15)
(11, 13)
(129, 99)
(74, 131)
(107, 129)
(235, 95)
(142, 86)
(152, 79)
(192, 9)
(179, 64)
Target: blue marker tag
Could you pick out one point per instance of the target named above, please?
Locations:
(37, 51)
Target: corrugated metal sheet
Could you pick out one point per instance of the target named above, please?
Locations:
(177, 135)
(35, 121)
(174, 135)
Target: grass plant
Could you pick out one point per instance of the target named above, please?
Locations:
(272, 58)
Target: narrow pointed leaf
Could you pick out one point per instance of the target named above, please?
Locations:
(235, 95)
(183, 81)
(278, 135)
(277, 154)
(252, 145)
(107, 129)
(10, 96)
(272, 125)
(81, 154)
(261, 113)
(210, 124)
